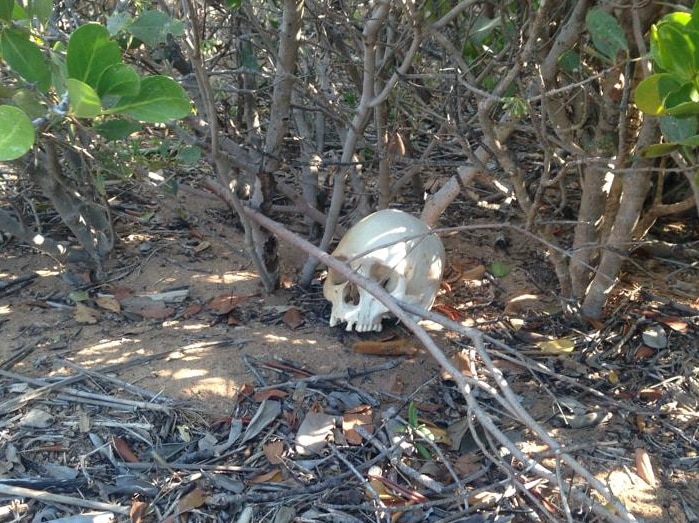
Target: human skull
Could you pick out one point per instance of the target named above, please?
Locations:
(399, 252)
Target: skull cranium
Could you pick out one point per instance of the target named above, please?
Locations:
(394, 249)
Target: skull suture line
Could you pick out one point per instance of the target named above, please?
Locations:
(399, 252)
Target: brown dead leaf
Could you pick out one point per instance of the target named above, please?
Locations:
(121, 293)
(155, 313)
(398, 347)
(108, 303)
(85, 314)
(396, 488)
(202, 247)
(676, 324)
(643, 353)
(225, 303)
(193, 499)
(462, 362)
(394, 383)
(650, 394)
(474, 273)
(639, 421)
(396, 145)
(510, 367)
(246, 390)
(192, 310)
(468, 464)
(644, 468)
(147, 308)
(274, 451)
(361, 416)
(450, 312)
(122, 448)
(273, 476)
(292, 318)
(137, 510)
(269, 394)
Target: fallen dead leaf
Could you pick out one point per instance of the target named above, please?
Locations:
(266, 413)
(193, 499)
(108, 303)
(399, 347)
(650, 394)
(510, 367)
(644, 468)
(122, 448)
(202, 247)
(292, 318)
(273, 476)
(225, 303)
(274, 451)
(119, 293)
(557, 346)
(137, 510)
(462, 362)
(449, 311)
(191, 310)
(313, 433)
(361, 416)
(146, 308)
(468, 464)
(475, 273)
(643, 353)
(85, 314)
(269, 394)
(676, 324)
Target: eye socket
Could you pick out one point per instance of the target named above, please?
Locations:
(385, 276)
(334, 277)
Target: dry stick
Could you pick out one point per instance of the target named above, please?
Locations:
(465, 384)
(15, 404)
(345, 375)
(48, 497)
(111, 379)
(354, 131)
(104, 400)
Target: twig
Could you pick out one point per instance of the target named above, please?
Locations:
(48, 498)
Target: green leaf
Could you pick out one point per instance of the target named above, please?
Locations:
(607, 35)
(41, 10)
(658, 149)
(683, 110)
(569, 61)
(119, 80)
(152, 27)
(28, 101)
(677, 129)
(25, 58)
(674, 49)
(651, 92)
(160, 99)
(6, 7)
(412, 414)
(117, 129)
(692, 141)
(499, 269)
(247, 56)
(118, 22)
(234, 4)
(84, 101)
(189, 155)
(91, 53)
(16, 133)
